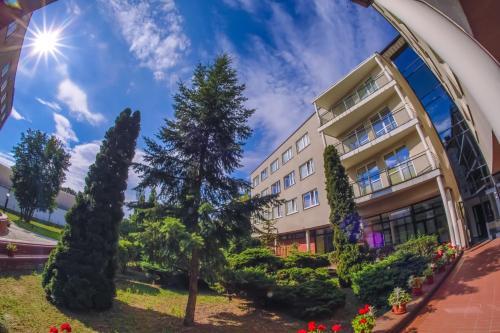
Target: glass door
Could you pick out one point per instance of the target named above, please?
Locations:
(399, 166)
(369, 179)
(383, 122)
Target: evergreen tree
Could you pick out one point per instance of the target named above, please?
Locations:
(341, 200)
(39, 171)
(80, 271)
(192, 167)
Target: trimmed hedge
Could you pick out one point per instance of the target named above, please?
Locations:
(306, 260)
(258, 257)
(374, 282)
(296, 275)
(421, 245)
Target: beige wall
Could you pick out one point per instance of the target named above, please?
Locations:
(312, 217)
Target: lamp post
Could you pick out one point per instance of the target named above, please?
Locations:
(7, 196)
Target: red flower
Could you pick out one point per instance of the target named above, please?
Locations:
(362, 321)
(66, 327)
(53, 329)
(321, 328)
(311, 326)
(367, 306)
(302, 331)
(336, 328)
(363, 311)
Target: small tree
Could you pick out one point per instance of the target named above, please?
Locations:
(39, 171)
(80, 271)
(341, 200)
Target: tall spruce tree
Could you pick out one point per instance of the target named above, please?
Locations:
(340, 197)
(192, 168)
(80, 272)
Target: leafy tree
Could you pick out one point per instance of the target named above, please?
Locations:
(192, 164)
(80, 271)
(341, 200)
(68, 190)
(39, 171)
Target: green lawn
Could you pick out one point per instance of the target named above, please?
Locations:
(37, 227)
(138, 307)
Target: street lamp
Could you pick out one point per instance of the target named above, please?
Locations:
(7, 196)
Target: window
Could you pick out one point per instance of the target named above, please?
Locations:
(278, 211)
(287, 155)
(306, 169)
(5, 69)
(11, 28)
(310, 199)
(383, 122)
(263, 174)
(368, 179)
(289, 180)
(4, 97)
(399, 166)
(264, 192)
(303, 142)
(2, 112)
(276, 188)
(356, 138)
(275, 165)
(291, 206)
(4, 85)
(255, 181)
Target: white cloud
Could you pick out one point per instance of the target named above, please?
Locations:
(153, 33)
(76, 100)
(7, 159)
(247, 5)
(52, 105)
(284, 74)
(64, 131)
(16, 115)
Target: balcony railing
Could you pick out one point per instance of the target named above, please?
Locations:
(355, 97)
(374, 130)
(413, 167)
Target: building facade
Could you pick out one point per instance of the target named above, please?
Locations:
(14, 21)
(458, 41)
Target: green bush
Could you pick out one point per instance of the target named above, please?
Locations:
(252, 282)
(3, 325)
(259, 257)
(297, 275)
(350, 260)
(127, 252)
(312, 299)
(306, 260)
(421, 245)
(374, 282)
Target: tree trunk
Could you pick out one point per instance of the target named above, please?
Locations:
(194, 270)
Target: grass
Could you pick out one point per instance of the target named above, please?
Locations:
(138, 307)
(38, 227)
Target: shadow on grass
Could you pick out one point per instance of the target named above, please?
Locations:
(138, 288)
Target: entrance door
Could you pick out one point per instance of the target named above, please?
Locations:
(480, 217)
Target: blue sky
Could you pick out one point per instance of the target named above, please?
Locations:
(131, 53)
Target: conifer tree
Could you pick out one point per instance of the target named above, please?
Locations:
(80, 272)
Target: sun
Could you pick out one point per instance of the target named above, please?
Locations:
(46, 42)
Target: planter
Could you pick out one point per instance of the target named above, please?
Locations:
(399, 310)
(429, 279)
(417, 291)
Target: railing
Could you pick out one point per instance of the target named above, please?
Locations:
(397, 174)
(374, 130)
(355, 97)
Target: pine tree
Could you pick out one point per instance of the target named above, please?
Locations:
(80, 272)
(340, 198)
(192, 167)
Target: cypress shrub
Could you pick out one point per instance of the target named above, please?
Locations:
(80, 272)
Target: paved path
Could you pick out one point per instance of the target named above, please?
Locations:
(469, 301)
(19, 234)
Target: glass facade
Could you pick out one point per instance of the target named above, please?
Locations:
(396, 227)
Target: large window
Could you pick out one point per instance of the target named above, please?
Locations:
(255, 181)
(291, 206)
(310, 199)
(4, 85)
(276, 188)
(383, 122)
(275, 165)
(263, 174)
(368, 179)
(398, 166)
(278, 211)
(5, 70)
(303, 142)
(289, 179)
(264, 192)
(287, 155)
(356, 138)
(306, 169)
(11, 29)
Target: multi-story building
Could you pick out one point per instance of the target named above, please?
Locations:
(14, 20)
(458, 42)
(294, 171)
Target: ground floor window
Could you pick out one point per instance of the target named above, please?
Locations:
(396, 227)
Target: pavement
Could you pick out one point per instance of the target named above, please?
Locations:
(469, 300)
(18, 234)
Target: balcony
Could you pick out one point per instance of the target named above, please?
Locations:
(350, 101)
(415, 170)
